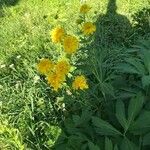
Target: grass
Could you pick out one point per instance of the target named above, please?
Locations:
(25, 102)
(26, 25)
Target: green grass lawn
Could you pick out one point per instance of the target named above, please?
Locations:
(25, 26)
(27, 117)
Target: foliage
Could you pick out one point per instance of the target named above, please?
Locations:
(119, 122)
(112, 114)
(10, 137)
(141, 19)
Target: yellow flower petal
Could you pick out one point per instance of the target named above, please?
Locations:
(80, 83)
(55, 80)
(88, 28)
(71, 44)
(63, 67)
(45, 66)
(57, 34)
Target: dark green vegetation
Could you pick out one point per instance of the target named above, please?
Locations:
(113, 114)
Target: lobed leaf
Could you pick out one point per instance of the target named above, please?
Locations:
(104, 128)
(135, 105)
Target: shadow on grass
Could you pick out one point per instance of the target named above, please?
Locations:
(6, 3)
(142, 22)
(112, 28)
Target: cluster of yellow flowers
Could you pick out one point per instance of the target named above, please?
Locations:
(56, 72)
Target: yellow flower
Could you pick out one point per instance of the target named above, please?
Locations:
(57, 34)
(80, 83)
(71, 44)
(84, 8)
(88, 28)
(55, 80)
(45, 66)
(62, 67)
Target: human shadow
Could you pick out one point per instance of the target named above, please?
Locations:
(112, 28)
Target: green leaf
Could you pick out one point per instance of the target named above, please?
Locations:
(107, 88)
(137, 64)
(116, 147)
(108, 144)
(76, 119)
(103, 127)
(146, 59)
(84, 146)
(92, 146)
(120, 113)
(127, 68)
(142, 124)
(146, 139)
(76, 141)
(134, 108)
(85, 117)
(61, 146)
(128, 145)
(146, 81)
